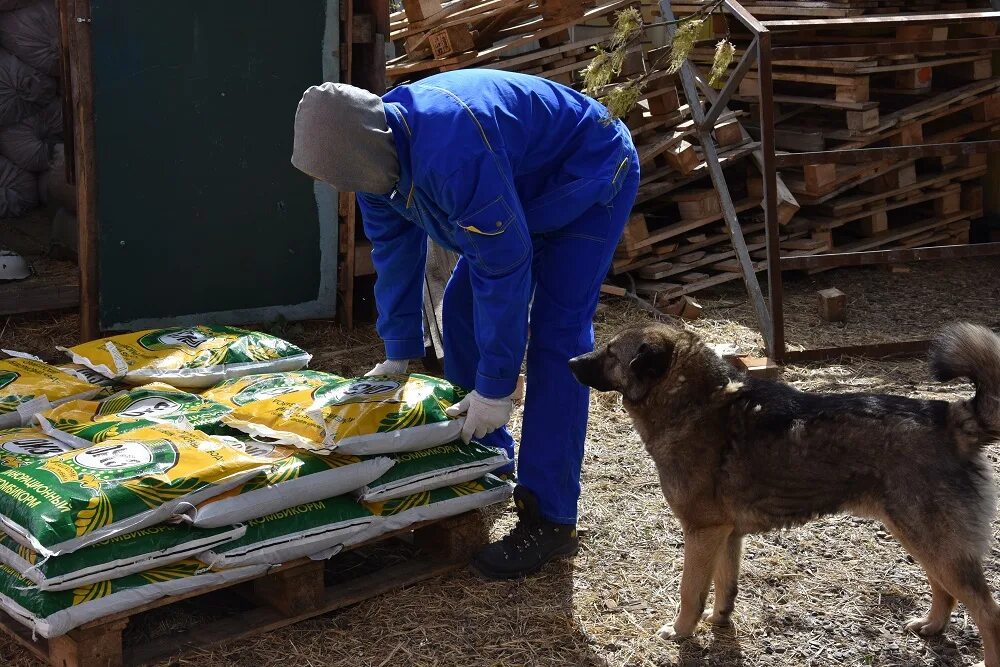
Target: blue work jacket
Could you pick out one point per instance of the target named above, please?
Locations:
(488, 160)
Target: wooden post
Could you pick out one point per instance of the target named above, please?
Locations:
(85, 147)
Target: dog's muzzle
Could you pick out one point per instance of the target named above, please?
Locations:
(588, 370)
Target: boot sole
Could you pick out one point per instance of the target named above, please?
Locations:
(523, 574)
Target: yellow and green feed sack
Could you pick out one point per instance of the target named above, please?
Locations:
(363, 416)
(54, 613)
(82, 423)
(296, 477)
(428, 469)
(28, 386)
(436, 504)
(188, 357)
(116, 557)
(317, 530)
(84, 496)
(275, 406)
(108, 387)
(24, 445)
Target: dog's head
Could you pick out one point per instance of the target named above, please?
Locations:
(634, 362)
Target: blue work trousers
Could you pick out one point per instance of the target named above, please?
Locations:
(568, 268)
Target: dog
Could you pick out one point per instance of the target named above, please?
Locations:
(738, 455)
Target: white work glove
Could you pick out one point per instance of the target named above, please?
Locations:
(482, 415)
(390, 367)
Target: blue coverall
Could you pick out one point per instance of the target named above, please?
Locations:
(528, 182)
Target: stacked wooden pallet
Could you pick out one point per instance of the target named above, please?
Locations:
(855, 103)
(672, 212)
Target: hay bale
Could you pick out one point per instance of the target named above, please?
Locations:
(18, 190)
(28, 144)
(23, 89)
(32, 34)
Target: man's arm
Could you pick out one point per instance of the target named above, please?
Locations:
(493, 235)
(399, 253)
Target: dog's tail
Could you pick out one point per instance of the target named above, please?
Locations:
(971, 351)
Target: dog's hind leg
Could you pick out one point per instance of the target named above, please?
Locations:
(938, 616)
(701, 554)
(963, 577)
(727, 572)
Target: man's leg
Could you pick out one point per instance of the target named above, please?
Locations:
(461, 355)
(568, 271)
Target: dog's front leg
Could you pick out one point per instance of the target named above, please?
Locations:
(701, 554)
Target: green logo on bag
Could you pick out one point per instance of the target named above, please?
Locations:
(150, 407)
(268, 388)
(358, 391)
(7, 377)
(118, 461)
(174, 338)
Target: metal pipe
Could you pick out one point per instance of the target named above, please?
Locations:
(876, 257)
(817, 52)
(885, 21)
(863, 155)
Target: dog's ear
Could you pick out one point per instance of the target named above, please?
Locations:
(651, 360)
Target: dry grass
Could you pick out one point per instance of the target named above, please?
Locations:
(836, 592)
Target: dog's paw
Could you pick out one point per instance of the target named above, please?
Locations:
(668, 633)
(925, 627)
(716, 619)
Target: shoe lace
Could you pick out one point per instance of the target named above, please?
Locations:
(524, 535)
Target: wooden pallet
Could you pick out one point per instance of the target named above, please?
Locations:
(285, 595)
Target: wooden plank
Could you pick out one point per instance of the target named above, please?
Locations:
(40, 293)
(680, 228)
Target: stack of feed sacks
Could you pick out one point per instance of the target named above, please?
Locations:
(31, 120)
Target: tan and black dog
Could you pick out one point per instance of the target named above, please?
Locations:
(737, 456)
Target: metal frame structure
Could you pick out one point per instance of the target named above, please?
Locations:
(763, 52)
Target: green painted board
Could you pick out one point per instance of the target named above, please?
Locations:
(201, 215)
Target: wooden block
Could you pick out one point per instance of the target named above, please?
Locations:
(554, 40)
(294, 590)
(750, 87)
(906, 176)
(99, 646)
(451, 41)
(565, 78)
(699, 203)
(420, 10)
(562, 11)
(950, 203)
(664, 103)
(456, 538)
(915, 79)
(685, 308)
(862, 120)
(822, 235)
(636, 230)
(876, 224)
(613, 290)
(909, 135)
(819, 177)
(682, 157)
(921, 33)
(758, 367)
(664, 248)
(988, 110)
(729, 133)
(981, 69)
(972, 197)
(832, 305)
(694, 277)
(856, 91)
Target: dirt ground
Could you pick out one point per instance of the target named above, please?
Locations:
(836, 592)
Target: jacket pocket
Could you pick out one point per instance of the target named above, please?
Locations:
(491, 240)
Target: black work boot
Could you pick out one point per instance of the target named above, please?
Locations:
(529, 546)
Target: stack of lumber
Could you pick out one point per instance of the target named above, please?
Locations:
(863, 102)
(676, 242)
